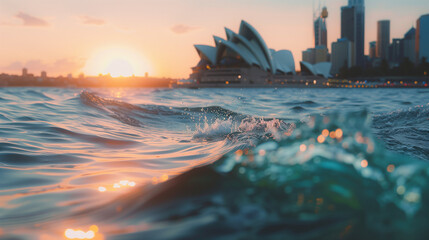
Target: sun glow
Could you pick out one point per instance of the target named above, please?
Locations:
(117, 62)
(119, 68)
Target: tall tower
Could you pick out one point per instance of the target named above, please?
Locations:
(353, 28)
(422, 39)
(383, 39)
(320, 29)
(409, 45)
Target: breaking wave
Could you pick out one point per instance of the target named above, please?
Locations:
(328, 178)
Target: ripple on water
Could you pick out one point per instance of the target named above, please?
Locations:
(18, 159)
(38, 94)
(307, 102)
(298, 109)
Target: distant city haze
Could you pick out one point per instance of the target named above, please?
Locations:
(134, 37)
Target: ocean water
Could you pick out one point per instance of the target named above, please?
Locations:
(214, 163)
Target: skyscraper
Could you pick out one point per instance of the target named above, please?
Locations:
(383, 39)
(320, 30)
(342, 55)
(348, 18)
(372, 49)
(422, 38)
(395, 51)
(409, 45)
(353, 28)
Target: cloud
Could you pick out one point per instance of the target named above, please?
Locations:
(92, 21)
(31, 21)
(181, 29)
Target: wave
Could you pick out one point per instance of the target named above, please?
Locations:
(128, 113)
(38, 94)
(405, 131)
(328, 178)
(212, 123)
(298, 109)
(307, 102)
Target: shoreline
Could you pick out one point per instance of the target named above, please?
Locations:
(144, 82)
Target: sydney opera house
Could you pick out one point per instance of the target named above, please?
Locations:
(244, 58)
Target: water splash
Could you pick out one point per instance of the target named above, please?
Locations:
(248, 130)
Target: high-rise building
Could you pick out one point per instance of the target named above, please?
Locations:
(348, 18)
(315, 55)
(24, 72)
(43, 75)
(320, 29)
(321, 54)
(395, 51)
(353, 28)
(342, 55)
(308, 55)
(422, 38)
(383, 39)
(409, 45)
(372, 50)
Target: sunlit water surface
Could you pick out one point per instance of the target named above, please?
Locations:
(103, 163)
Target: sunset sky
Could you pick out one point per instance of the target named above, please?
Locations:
(157, 36)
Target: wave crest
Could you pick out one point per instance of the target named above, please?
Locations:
(328, 177)
(250, 128)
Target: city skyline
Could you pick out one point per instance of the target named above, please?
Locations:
(153, 35)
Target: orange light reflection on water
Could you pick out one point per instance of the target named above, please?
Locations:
(391, 168)
(364, 163)
(120, 184)
(79, 234)
(338, 133)
(320, 139)
(161, 179)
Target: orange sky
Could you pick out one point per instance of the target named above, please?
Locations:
(157, 36)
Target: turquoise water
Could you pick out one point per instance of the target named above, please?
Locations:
(214, 163)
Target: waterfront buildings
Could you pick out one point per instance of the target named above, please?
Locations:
(395, 52)
(315, 55)
(422, 38)
(320, 52)
(383, 39)
(342, 55)
(353, 28)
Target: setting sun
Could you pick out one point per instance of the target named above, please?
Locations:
(119, 68)
(118, 62)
